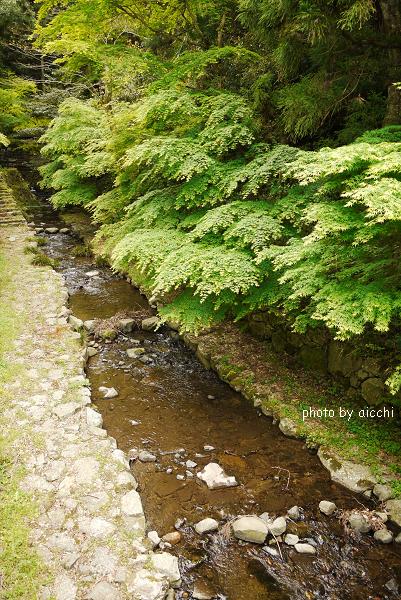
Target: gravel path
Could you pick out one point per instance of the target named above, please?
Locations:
(90, 527)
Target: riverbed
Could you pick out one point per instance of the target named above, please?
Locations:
(173, 407)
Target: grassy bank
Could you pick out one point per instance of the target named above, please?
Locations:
(283, 391)
(21, 570)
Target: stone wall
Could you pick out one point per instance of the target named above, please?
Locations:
(360, 368)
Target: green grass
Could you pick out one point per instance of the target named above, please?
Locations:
(21, 570)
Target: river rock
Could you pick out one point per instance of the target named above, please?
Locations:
(383, 536)
(397, 539)
(146, 457)
(215, 477)
(250, 529)
(173, 538)
(64, 230)
(278, 526)
(294, 513)
(151, 323)
(327, 507)
(354, 477)
(305, 549)
(359, 523)
(291, 539)
(92, 273)
(51, 230)
(168, 565)
(288, 427)
(126, 325)
(89, 325)
(206, 525)
(108, 392)
(135, 352)
(383, 492)
(393, 507)
(75, 322)
(190, 464)
(154, 538)
(90, 351)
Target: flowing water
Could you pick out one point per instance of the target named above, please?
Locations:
(173, 407)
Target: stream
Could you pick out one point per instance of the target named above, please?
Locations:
(172, 407)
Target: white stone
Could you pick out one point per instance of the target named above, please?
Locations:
(108, 392)
(215, 477)
(131, 504)
(291, 539)
(278, 526)
(250, 529)
(90, 351)
(93, 418)
(52, 230)
(151, 323)
(92, 273)
(89, 325)
(85, 469)
(327, 507)
(145, 456)
(167, 564)
(294, 513)
(206, 525)
(305, 549)
(190, 464)
(154, 538)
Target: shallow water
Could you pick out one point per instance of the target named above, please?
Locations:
(173, 407)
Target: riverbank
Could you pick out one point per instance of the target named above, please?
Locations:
(362, 453)
(72, 523)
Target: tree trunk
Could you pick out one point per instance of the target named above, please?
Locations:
(391, 15)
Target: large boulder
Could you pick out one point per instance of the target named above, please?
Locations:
(151, 323)
(250, 529)
(393, 507)
(167, 565)
(355, 477)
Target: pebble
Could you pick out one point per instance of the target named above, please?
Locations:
(146, 457)
(294, 513)
(92, 273)
(208, 448)
(291, 539)
(108, 392)
(327, 507)
(173, 538)
(278, 526)
(305, 549)
(190, 464)
(206, 525)
(180, 477)
(250, 529)
(383, 535)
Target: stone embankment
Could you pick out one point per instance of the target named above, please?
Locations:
(90, 526)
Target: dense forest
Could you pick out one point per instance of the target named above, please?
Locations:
(237, 155)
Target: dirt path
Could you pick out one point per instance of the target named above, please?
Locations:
(89, 526)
